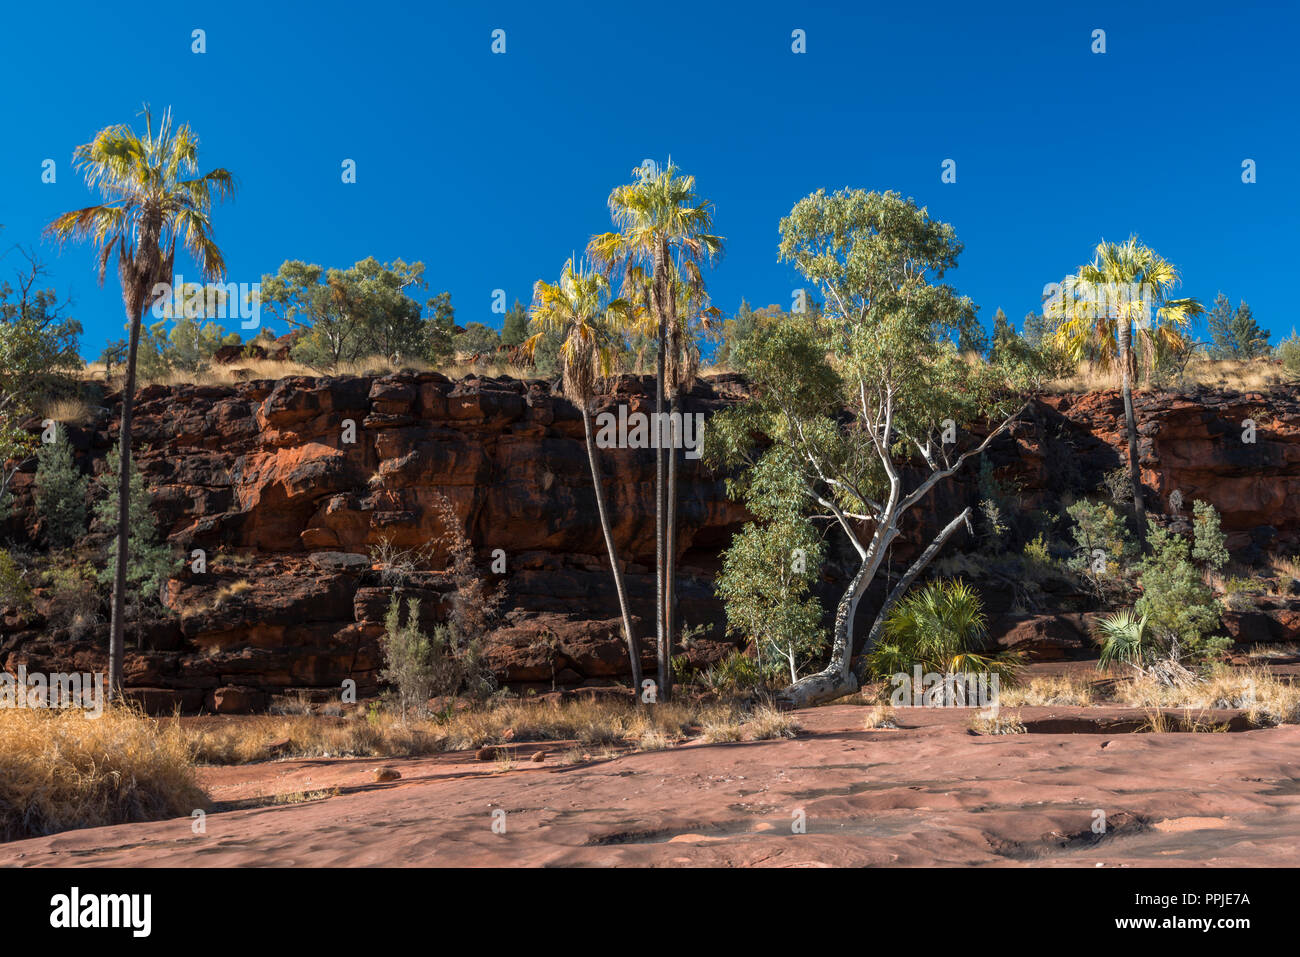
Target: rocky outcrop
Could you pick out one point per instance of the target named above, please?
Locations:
(287, 486)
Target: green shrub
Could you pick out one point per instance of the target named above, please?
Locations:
(1288, 350)
(60, 492)
(1180, 606)
(410, 663)
(1123, 637)
(1098, 527)
(74, 599)
(14, 591)
(1208, 546)
(149, 563)
(734, 676)
(941, 627)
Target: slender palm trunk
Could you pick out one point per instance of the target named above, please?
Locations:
(670, 537)
(1130, 423)
(633, 650)
(662, 653)
(117, 622)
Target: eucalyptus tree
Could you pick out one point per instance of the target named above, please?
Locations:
(858, 408)
(154, 199)
(580, 312)
(663, 236)
(1126, 285)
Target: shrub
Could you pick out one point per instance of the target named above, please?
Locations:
(60, 492)
(148, 562)
(734, 676)
(1180, 606)
(14, 590)
(767, 574)
(940, 627)
(408, 657)
(1208, 546)
(1288, 350)
(74, 599)
(1123, 637)
(1098, 526)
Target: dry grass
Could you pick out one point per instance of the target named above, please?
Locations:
(67, 410)
(244, 370)
(996, 722)
(1264, 697)
(62, 770)
(880, 716)
(1051, 691)
(593, 724)
(1237, 374)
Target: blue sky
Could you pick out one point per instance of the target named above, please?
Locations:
(492, 168)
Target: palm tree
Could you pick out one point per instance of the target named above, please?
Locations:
(578, 309)
(1096, 311)
(663, 236)
(148, 208)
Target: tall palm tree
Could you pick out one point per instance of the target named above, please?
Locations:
(663, 233)
(1126, 283)
(579, 310)
(153, 200)
(681, 368)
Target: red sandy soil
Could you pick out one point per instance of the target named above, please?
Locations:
(928, 793)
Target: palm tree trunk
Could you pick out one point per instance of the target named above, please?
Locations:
(661, 649)
(670, 543)
(633, 650)
(1130, 424)
(117, 622)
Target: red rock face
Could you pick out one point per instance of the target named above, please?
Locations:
(263, 478)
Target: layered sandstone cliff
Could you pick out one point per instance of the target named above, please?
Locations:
(261, 477)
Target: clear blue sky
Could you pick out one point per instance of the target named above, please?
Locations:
(492, 168)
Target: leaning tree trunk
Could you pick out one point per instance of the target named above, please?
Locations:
(117, 622)
(1130, 423)
(633, 650)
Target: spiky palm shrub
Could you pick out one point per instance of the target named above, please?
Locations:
(1123, 637)
(941, 627)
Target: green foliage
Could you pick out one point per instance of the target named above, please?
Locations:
(364, 310)
(941, 627)
(60, 491)
(410, 662)
(1098, 526)
(1208, 544)
(74, 598)
(149, 563)
(477, 339)
(767, 572)
(15, 593)
(1123, 637)
(1288, 350)
(1036, 559)
(736, 675)
(38, 355)
(1180, 606)
(1234, 334)
(514, 330)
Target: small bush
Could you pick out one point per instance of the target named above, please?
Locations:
(60, 492)
(14, 591)
(941, 627)
(74, 599)
(1180, 606)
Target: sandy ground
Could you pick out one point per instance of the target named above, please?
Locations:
(926, 793)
